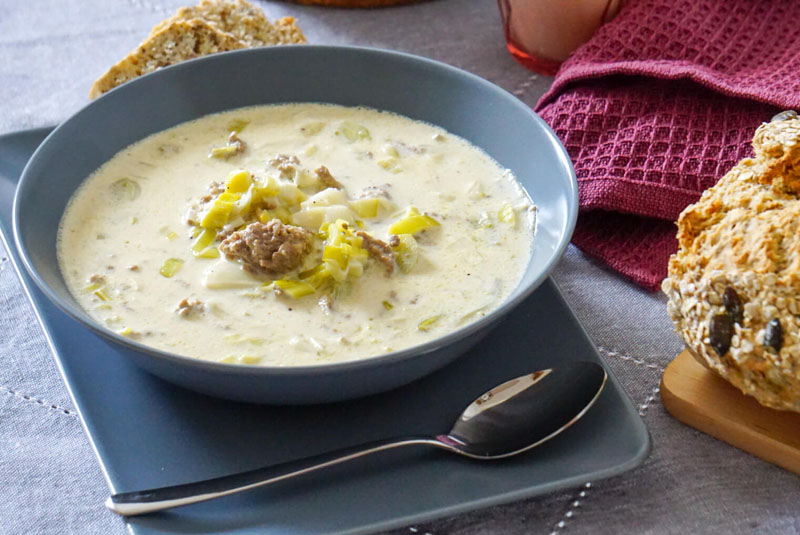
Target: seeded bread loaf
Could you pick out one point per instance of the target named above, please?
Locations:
(734, 284)
(207, 28)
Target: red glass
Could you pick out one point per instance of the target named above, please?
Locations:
(540, 34)
(540, 65)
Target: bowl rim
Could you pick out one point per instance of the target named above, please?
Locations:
(316, 369)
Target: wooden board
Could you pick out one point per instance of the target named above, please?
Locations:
(700, 398)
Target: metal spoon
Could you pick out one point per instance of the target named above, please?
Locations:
(511, 418)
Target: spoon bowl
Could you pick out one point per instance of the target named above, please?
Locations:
(509, 419)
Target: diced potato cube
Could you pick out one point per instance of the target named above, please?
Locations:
(290, 194)
(326, 197)
(309, 218)
(224, 274)
(365, 207)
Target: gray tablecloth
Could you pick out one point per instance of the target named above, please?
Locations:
(50, 481)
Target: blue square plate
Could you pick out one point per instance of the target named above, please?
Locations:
(148, 433)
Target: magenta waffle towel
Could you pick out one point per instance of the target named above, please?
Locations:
(657, 106)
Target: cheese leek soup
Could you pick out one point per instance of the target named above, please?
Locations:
(296, 234)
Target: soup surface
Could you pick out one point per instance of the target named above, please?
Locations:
(295, 234)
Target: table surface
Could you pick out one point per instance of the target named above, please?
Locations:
(51, 52)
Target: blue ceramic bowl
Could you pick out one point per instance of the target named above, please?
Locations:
(419, 88)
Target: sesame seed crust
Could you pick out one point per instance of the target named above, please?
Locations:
(743, 237)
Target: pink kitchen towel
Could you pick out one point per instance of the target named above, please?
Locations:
(657, 106)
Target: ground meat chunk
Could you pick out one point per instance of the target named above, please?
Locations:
(271, 248)
(285, 164)
(326, 178)
(379, 250)
(283, 161)
(187, 308)
(371, 192)
(214, 191)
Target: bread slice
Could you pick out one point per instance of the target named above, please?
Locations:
(178, 41)
(241, 19)
(209, 27)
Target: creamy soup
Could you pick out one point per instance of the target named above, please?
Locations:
(295, 234)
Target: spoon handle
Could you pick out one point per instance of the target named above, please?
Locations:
(148, 501)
